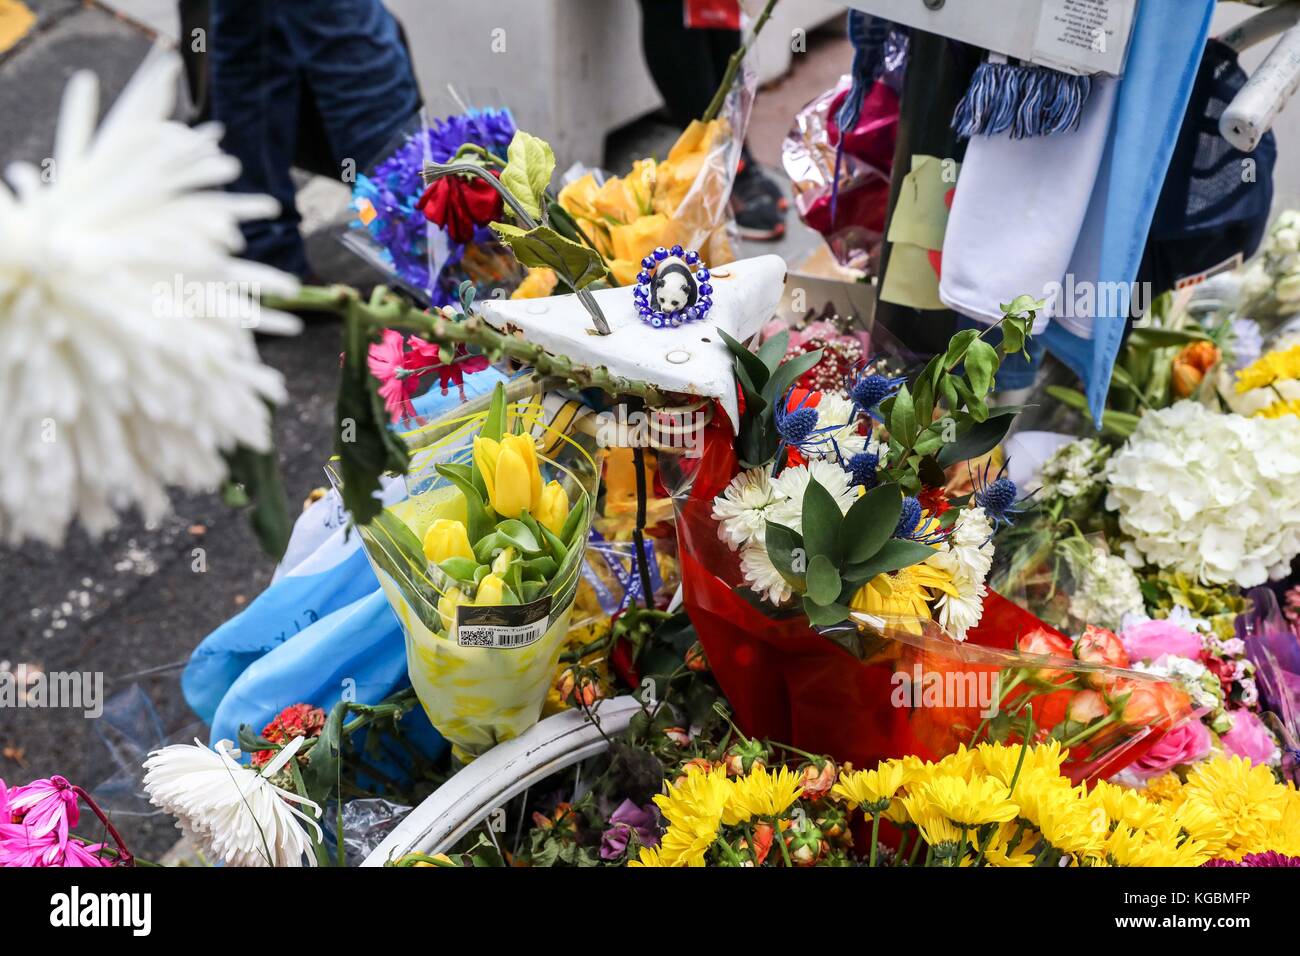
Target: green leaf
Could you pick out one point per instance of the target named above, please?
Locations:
(494, 424)
(530, 162)
(1154, 338)
(754, 366)
(981, 364)
(772, 351)
(975, 406)
(895, 554)
(824, 615)
(479, 522)
(870, 522)
(1069, 396)
(958, 345)
(821, 522)
(459, 569)
(902, 416)
(823, 580)
(787, 373)
(321, 775)
(578, 265)
(1024, 304)
(575, 522)
(258, 474)
(979, 439)
(783, 546)
(516, 534)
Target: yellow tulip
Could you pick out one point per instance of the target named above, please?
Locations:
(510, 474)
(501, 563)
(447, 538)
(554, 507)
(451, 599)
(490, 592)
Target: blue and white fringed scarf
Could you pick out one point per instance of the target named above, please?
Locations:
(1020, 99)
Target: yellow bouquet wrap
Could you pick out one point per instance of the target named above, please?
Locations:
(481, 564)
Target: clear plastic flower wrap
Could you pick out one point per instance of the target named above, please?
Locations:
(481, 563)
(393, 235)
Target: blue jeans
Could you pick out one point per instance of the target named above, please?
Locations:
(348, 53)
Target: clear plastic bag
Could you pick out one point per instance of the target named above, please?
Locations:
(481, 666)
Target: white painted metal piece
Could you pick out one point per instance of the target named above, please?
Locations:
(507, 770)
(745, 296)
(1274, 82)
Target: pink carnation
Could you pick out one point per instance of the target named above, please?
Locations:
(1153, 639)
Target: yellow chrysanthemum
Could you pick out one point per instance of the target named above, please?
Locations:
(649, 857)
(762, 793)
(1123, 805)
(936, 829)
(960, 763)
(1245, 796)
(1066, 820)
(1269, 368)
(1000, 760)
(970, 802)
(1284, 833)
(871, 787)
(1165, 789)
(693, 811)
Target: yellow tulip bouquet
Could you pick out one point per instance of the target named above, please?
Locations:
(481, 564)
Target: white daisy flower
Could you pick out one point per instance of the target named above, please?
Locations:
(230, 811)
(970, 544)
(742, 506)
(792, 483)
(127, 360)
(960, 612)
(761, 574)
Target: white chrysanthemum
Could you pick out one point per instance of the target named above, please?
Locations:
(127, 361)
(791, 485)
(966, 555)
(229, 811)
(835, 409)
(761, 574)
(1210, 495)
(742, 506)
(1106, 591)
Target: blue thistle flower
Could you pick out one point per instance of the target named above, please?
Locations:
(794, 427)
(999, 498)
(868, 389)
(862, 469)
(908, 518)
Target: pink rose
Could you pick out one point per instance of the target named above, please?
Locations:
(1186, 743)
(1248, 737)
(1152, 639)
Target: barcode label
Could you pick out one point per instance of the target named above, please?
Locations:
(506, 627)
(494, 636)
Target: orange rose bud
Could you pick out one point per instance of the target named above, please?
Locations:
(1150, 703)
(1087, 706)
(1096, 645)
(1045, 643)
(1191, 365)
(695, 659)
(817, 781)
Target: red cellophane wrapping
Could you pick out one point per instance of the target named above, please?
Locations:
(788, 683)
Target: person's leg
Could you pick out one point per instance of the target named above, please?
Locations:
(350, 53)
(681, 61)
(255, 97)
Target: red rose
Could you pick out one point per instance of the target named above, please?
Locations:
(1045, 643)
(459, 204)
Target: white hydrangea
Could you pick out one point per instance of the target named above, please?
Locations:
(1073, 469)
(1106, 591)
(1212, 495)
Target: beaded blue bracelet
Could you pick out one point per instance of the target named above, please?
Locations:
(672, 288)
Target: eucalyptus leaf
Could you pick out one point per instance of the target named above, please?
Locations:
(824, 615)
(894, 555)
(786, 549)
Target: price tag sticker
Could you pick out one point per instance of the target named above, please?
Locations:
(504, 627)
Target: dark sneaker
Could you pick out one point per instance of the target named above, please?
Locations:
(754, 202)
